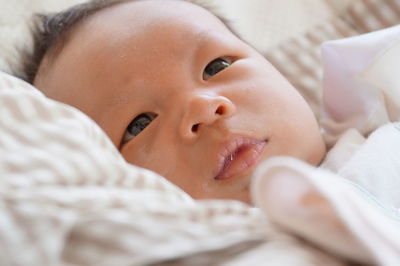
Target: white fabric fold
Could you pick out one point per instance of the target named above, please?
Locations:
(350, 203)
(352, 95)
(329, 210)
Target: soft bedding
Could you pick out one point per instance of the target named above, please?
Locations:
(67, 197)
(351, 201)
(354, 193)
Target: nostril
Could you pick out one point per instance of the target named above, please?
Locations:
(220, 110)
(195, 128)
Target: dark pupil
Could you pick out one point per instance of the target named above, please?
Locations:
(139, 124)
(216, 66)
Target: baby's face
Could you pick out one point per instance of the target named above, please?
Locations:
(181, 95)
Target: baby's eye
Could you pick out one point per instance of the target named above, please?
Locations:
(216, 66)
(137, 125)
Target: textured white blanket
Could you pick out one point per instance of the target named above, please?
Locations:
(355, 212)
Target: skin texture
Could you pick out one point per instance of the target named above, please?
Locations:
(150, 56)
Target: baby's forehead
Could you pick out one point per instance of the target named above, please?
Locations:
(125, 27)
(152, 22)
(146, 13)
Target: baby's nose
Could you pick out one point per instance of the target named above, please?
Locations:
(204, 110)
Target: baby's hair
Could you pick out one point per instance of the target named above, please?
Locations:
(51, 31)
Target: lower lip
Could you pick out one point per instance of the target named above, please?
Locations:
(244, 160)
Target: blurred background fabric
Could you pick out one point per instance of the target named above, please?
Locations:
(267, 23)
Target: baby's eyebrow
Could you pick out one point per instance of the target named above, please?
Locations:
(204, 37)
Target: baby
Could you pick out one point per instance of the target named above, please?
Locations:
(177, 92)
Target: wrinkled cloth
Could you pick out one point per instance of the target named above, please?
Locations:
(67, 197)
(350, 204)
(361, 86)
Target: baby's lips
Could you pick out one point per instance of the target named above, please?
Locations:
(237, 156)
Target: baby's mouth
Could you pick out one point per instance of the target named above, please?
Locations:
(238, 156)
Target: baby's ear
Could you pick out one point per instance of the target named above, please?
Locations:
(282, 190)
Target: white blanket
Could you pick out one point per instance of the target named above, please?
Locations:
(350, 204)
(359, 219)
